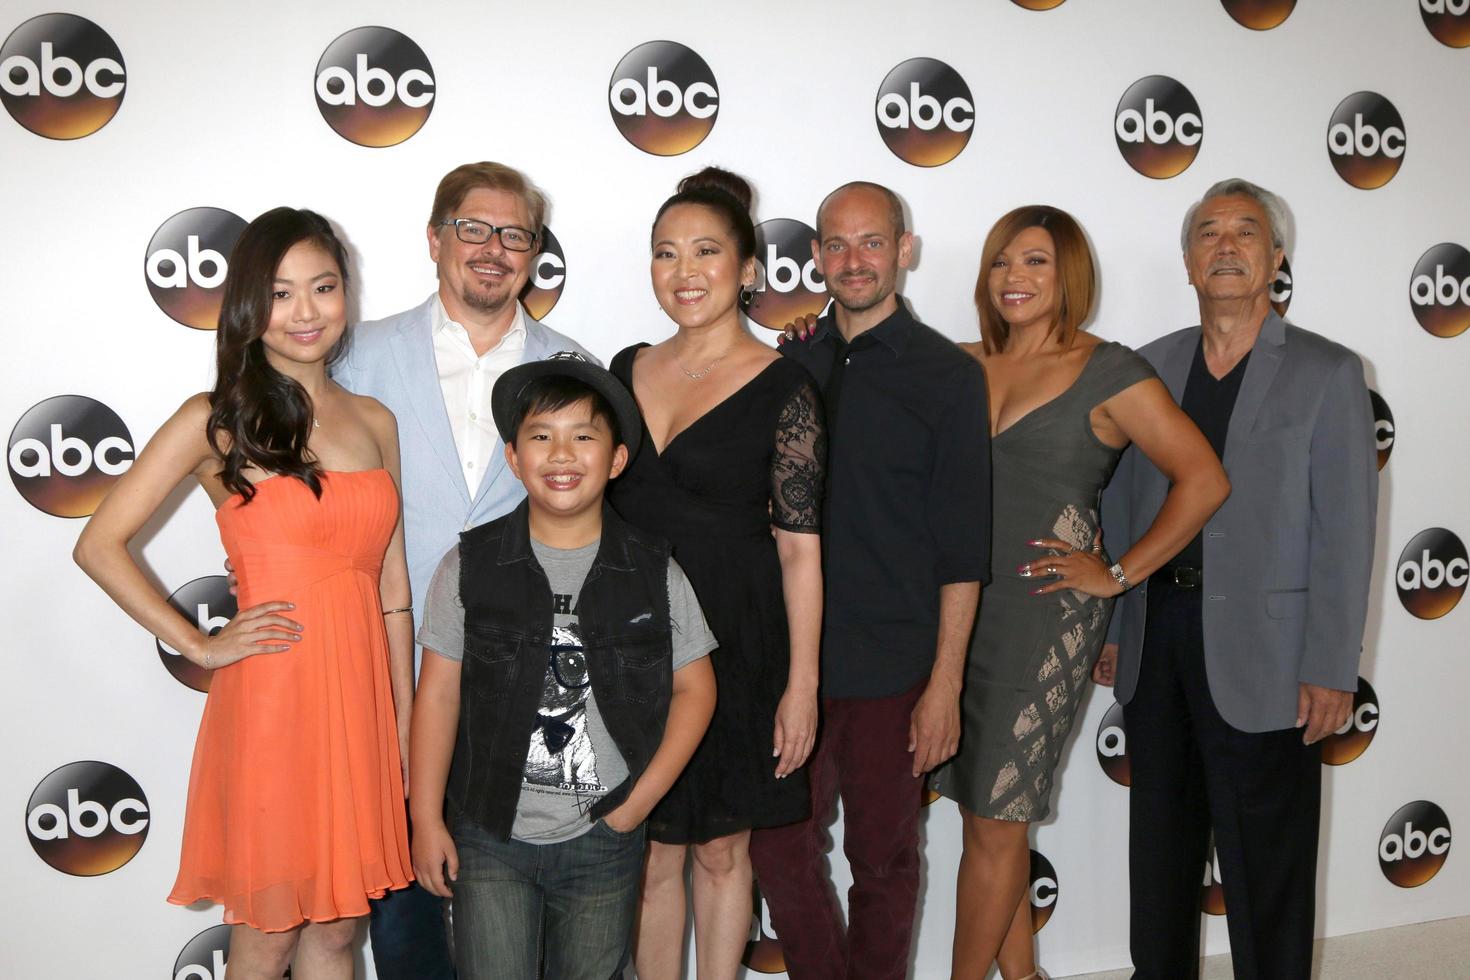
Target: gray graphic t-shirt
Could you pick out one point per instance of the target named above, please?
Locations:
(572, 761)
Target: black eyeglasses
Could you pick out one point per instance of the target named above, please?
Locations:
(569, 665)
(473, 232)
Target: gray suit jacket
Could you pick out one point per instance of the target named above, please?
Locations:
(393, 361)
(1288, 556)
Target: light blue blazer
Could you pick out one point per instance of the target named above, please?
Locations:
(393, 361)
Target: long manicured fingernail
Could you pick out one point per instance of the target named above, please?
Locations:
(1023, 570)
(1036, 542)
(1036, 591)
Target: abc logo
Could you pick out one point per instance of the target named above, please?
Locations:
(1281, 288)
(1212, 893)
(61, 76)
(204, 957)
(1039, 4)
(1158, 127)
(1352, 739)
(206, 602)
(1042, 892)
(1432, 572)
(925, 112)
(187, 262)
(763, 952)
(548, 276)
(1365, 140)
(1414, 844)
(787, 283)
(65, 453)
(1383, 431)
(374, 86)
(1448, 21)
(1439, 292)
(1112, 747)
(87, 818)
(1259, 15)
(663, 98)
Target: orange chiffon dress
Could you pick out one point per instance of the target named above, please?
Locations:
(296, 809)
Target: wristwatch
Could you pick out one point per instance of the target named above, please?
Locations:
(1116, 571)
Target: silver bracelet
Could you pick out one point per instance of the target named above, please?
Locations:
(1116, 571)
(389, 612)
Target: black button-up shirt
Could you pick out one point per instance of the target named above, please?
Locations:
(908, 496)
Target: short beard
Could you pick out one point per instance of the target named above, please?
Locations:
(878, 297)
(486, 303)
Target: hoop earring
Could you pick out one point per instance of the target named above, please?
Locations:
(747, 294)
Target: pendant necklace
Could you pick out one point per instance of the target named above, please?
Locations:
(696, 375)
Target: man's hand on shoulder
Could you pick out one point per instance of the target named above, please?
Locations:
(799, 329)
(1321, 711)
(934, 727)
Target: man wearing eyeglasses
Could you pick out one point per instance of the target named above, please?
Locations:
(434, 366)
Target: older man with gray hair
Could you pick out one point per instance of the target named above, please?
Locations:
(1235, 659)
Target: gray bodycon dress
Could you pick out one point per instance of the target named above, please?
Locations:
(1031, 655)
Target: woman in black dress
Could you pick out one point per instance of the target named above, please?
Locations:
(732, 477)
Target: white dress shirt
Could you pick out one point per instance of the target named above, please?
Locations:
(466, 380)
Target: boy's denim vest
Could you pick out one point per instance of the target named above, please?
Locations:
(623, 617)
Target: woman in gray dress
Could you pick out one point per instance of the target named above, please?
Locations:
(1063, 407)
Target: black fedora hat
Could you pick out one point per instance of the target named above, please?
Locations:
(567, 364)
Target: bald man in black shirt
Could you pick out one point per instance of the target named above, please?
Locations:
(906, 546)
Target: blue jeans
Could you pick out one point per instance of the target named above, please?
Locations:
(578, 896)
(410, 936)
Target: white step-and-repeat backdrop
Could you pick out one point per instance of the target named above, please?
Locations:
(138, 138)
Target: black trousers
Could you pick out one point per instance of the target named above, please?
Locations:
(410, 935)
(1261, 792)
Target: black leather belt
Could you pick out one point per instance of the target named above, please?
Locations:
(1182, 576)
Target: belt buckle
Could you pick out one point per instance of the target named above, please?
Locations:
(1187, 577)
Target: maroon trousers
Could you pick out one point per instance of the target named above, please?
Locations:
(862, 754)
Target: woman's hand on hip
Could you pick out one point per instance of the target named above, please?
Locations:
(259, 629)
(1082, 571)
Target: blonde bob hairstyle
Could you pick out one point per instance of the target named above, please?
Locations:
(1076, 276)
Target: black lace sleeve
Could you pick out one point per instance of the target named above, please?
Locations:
(799, 466)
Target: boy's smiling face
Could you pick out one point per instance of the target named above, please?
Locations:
(565, 458)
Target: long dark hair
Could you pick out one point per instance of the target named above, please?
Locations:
(258, 416)
(724, 193)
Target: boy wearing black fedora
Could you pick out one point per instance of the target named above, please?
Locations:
(567, 688)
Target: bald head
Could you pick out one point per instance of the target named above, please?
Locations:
(863, 191)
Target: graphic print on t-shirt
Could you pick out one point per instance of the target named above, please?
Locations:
(562, 757)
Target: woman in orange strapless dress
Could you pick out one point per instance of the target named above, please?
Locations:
(295, 815)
